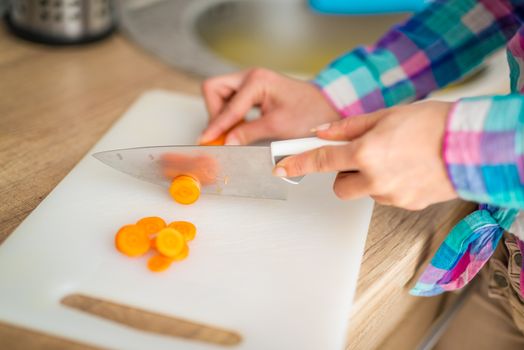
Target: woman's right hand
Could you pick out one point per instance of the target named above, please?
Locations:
(289, 107)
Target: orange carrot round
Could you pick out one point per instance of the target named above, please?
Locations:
(183, 254)
(132, 240)
(158, 263)
(169, 242)
(219, 141)
(185, 189)
(151, 224)
(187, 229)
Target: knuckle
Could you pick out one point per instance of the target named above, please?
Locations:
(323, 158)
(297, 166)
(260, 74)
(362, 155)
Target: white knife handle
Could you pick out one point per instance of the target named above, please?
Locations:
(282, 149)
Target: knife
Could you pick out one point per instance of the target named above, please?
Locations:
(243, 171)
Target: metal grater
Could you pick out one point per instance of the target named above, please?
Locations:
(61, 21)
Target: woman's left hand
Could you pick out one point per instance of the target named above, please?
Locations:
(395, 156)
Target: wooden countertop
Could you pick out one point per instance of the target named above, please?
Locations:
(55, 103)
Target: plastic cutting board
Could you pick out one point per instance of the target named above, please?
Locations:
(280, 273)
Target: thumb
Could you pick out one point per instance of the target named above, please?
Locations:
(350, 128)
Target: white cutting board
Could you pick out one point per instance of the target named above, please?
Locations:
(280, 273)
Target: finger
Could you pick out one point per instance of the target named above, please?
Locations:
(248, 95)
(249, 132)
(217, 99)
(323, 159)
(351, 128)
(351, 185)
(218, 90)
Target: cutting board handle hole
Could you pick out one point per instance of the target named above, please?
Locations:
(151, 322)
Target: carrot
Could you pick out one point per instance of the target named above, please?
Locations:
(185, 189)
(169, 242)
(187, 229)
(183, 254)
(221, 140)
(158, 263)
(151, 224)
(132, 240)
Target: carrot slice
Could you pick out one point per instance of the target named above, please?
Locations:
(158, 263)
(183, 254)
(151, 224)
(187, 229)
(169, 242)
(132, 240)
(221, 140)
(185, 189)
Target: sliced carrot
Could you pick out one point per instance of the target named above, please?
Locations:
(187, 229)
(151, 224)
(221, 140)
(169, 242)
(183, 254)
(158, 263)
(185, 189)
(132, 240)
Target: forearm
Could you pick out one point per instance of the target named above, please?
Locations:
(432, 49)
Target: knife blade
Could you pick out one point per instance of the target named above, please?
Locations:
(243, 171)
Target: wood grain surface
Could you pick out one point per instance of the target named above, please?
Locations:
(55, 103)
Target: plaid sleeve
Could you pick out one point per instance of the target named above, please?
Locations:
(432, 49)
(484, 149)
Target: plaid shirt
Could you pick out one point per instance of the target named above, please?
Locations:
(483, 145)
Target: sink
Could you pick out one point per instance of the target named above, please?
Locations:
(284, 35)
(211, 37)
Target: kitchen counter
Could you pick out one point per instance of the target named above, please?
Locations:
(55, 103)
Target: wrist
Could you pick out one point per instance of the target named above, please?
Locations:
(479, 149)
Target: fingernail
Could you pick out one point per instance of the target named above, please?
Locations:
(279, 171)
(321, 127)
(232, 141)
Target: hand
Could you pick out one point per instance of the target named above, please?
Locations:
(289, 108)
(395, 155)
